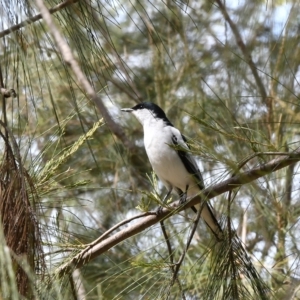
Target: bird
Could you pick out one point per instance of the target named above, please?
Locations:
(169, 156)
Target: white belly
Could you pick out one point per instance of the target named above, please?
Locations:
(167, 164)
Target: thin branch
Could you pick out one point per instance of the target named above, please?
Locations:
(121, 62)
(243, 47)
(167, 240)
(73, 288)
(247, 159)
(83, 81)
(85, 256)
(244, 227)
(122, 88)
(106, 233)
(3, 102)
(78, 284)
(36, 18)
(191, 235)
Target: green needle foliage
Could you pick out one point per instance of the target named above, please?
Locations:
(73, 166)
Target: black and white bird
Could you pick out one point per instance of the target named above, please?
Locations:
(175, 167)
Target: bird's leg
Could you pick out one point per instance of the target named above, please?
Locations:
(183, 195)
(160, 208)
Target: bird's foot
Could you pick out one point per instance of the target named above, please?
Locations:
(159, 210)
(183, 197)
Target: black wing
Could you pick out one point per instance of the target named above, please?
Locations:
(190, 164)
(188, 160)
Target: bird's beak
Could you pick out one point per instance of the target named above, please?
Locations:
(127, 109)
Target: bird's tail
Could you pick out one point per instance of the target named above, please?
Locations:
(211, 221)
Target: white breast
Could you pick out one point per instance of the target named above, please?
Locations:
(164, 159)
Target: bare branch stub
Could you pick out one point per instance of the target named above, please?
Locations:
(7, 93)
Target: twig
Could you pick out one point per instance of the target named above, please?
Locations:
(83, 81)
(211, 192)
(242, 46)
(115, 53)
(106, 233)
(163, 228)
(231, 251)
(3, 103)
(247, 159)
(36, 18)
(78, 284)
(73, 288)
(195, 225)
(244, 228)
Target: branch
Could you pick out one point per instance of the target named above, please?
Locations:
(68, 57)
(85, 256)
(36, 18)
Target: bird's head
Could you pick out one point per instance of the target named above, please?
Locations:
(147, 112)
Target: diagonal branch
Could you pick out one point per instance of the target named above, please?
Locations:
(68, 57)
(243, 47)
(87, 255)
